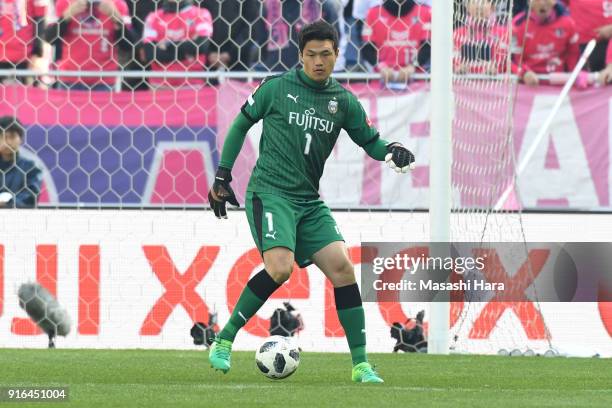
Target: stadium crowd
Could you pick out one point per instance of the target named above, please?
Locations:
(390, 37)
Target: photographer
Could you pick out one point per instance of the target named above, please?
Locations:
(90, 32)
(20, 179)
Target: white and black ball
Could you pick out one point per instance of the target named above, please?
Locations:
(278, 357)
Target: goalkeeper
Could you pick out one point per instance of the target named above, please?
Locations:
(303, 112)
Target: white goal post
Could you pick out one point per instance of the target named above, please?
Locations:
(441, 154)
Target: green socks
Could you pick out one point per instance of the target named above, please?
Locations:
(348, 305)
(253, 296)
(352, 317)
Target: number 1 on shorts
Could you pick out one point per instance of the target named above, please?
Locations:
(270, 222)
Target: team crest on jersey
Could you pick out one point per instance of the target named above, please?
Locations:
(559, 32)
(332, 106)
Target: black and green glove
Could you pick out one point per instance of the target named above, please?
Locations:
(399, 158)
(221, 192)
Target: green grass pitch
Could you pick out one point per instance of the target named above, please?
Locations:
(151, 378)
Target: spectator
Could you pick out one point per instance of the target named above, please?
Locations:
(593, 20)
(20, 179)
(22, 25)
(340, 24)
(232, 44)
(176, 40)
(139, 10)
(518, 6)
(135, 59)
(480, 44)
(605, 76)
(282, 23)
(550, 45)
(359, 12)
(399, 31)
(90, 32)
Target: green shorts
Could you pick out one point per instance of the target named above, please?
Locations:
(304, 227)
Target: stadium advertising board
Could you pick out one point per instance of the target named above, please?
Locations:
(138, 279)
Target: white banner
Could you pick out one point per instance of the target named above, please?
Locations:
(138, 279)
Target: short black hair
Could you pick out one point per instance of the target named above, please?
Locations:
(319, 30)
(11, 124)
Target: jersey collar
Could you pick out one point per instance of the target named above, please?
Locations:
(311, 83)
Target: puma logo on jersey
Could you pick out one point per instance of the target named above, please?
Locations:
(294, 98)
(271, 235)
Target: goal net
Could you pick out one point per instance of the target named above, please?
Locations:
(121, 236)
(483, 167)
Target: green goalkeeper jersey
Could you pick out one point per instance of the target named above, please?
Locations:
(301, 123)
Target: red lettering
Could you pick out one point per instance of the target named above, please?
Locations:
(180, 288)
(605, 307)
(89, 289)
(297, 287)
(605, 312)
(390, 308)
(388, 301)
(514, 288)
(456, 300)
(46, 275)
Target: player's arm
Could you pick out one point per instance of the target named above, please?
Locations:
(254, 109)
(364, 134)
(221, 191)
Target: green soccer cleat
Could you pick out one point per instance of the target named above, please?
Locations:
(219, 355)
(363, 372)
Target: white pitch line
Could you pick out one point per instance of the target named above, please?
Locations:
(347, 386)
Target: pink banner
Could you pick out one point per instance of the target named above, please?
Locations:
(570, 168)
(152, 148)
(574, 170)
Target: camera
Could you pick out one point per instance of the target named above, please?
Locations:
(284, 322)
(204, 334)
(409, 340)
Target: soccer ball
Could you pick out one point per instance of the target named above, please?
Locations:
(278, 357)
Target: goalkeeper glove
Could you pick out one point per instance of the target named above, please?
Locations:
(399, 158)
(221, 192)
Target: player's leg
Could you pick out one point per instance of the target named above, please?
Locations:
(334, 261)
(319, 240)
(278, 263)
(273, 228)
